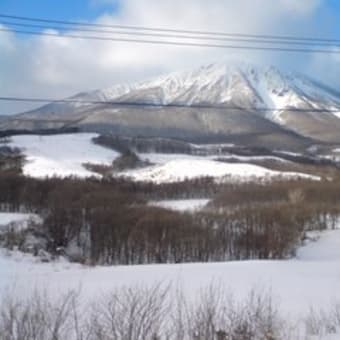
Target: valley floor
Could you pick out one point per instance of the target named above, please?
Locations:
(309, 280)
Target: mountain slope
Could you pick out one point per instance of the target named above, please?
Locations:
(248, 102)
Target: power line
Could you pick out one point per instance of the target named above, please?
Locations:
(159, 105)
(163, 35)
(175, 43)
(194, 32)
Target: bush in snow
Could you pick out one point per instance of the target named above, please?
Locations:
(143, 313)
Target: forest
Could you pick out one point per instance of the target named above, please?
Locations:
(109, 221)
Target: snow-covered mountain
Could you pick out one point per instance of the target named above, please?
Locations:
(221, 84)
(253, 100)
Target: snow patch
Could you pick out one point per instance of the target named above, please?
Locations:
(322, 246)
(184, 169)
(162, 158)
(312, 279)
(61, 155)
(188, 205)
(18, 218)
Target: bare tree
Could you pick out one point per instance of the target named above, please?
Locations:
(38, 318)
(131, 314)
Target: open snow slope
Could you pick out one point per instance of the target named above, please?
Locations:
(188, 205)
(65, 155)
(325, 247)
(162, 158)
(311, 279)
(61, 155)
(186, 168)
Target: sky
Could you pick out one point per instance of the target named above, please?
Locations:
(41, 66)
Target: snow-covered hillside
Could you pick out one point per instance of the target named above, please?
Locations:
(189, 205)
(181, 169)
(61, 155)
(243, 100)
(311, 279)
(162, 158)
(65, 155)
(243, 84)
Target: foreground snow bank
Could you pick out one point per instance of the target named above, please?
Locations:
(312, 279)
(61, 155)
(322, 246)
(183, 169)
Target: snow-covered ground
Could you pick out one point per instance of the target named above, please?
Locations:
(189, 205)
(325, 246)
(162, 158)
(18, 218)
(182, 169)
(310, 279)
(61, 155)
(65, 155)
(333, 157)
(6, 218)
(289, 153)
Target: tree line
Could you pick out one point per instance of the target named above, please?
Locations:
(108, 221)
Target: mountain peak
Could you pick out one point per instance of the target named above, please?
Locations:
(265, 97)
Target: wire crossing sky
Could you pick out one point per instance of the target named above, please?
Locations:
(114, 42)
(62, 24)
(335, 49)
(263, 42)
(158, 105)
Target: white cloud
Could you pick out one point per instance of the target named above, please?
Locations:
(301, 7)
(46, 66)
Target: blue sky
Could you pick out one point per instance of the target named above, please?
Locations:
(58, 9)
(330, 10)
(88, 10)
(36, 66)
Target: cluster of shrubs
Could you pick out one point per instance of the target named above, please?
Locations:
(157, 313)
(11, 159)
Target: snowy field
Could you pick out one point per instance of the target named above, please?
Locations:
(310, 279)
(61, 155)
(182, 169)
(188, 205)
(65, 155)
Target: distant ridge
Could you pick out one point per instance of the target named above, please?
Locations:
(247, 86)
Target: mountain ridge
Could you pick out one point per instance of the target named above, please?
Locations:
(267, 95)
